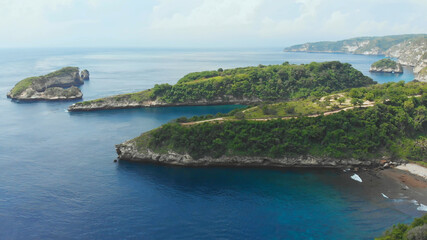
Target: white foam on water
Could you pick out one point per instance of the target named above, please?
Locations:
(422, 207)
(385, 196)
(356, 177)
(65, 110)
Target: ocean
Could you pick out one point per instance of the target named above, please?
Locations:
(58, 179)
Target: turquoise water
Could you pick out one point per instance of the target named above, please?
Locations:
(58, 179)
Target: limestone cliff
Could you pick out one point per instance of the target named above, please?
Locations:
(58, 85)
(409, 49)
(421, 74)
(126, 101)
(128, 151)
(360, 45)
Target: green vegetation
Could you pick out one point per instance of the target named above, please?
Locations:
(62, 71)
(27, 82)
(372, 43)
(22, 86)
(272, 83)
(385, 63)
(275, 82)
(394, 128)
(417, 230)
(380, 93)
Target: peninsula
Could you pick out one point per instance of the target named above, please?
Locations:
(365, 126)
(58, 85)
(409, 49)
(246, 85)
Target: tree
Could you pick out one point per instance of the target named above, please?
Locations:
(341, 100)
(268, 110)
(369, 96)
(408, 106)
(239, 115)
(289, 109)
(356, 101)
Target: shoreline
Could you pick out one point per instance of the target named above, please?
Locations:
(392, 188)
(397, 186)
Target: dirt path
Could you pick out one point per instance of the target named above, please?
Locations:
(221, 119)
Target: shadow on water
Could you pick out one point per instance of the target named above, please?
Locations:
(212, 180)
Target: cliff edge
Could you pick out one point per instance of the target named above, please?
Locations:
(128, 151)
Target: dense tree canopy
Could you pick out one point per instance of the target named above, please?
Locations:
(274, 82)
(396, 128)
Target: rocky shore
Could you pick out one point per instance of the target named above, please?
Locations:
(128, 151)
(58, 85)
(371, 180)
(120, 103)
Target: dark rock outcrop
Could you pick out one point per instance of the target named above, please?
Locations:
(58, 85)
(84, 75)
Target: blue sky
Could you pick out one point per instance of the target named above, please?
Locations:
(202, 23)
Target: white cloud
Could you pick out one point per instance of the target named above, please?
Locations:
(202, 23)
(206, 13)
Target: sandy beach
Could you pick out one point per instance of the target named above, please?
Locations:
(414, 169)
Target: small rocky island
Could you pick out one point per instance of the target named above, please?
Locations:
(386, 65)
(58, 85)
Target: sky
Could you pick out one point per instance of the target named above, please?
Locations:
(202, 23)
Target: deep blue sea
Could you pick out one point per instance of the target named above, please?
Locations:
(58, 179)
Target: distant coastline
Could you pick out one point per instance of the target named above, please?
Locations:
(409, 49)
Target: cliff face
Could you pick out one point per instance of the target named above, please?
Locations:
(397, 69)
(421, 72)
(412, 52)
(129, 152)
(120, 103)
(58, 85)
(409, 49)
(361, 45)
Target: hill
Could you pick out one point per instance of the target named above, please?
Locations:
(240, 86)
(394, 127)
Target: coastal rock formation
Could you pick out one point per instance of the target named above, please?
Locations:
(118, 102)
(386, 66)
(360, 45)
(421, 73)
(58, 85)
(412, 52)
(84, 75)
(409, 49)
(128, 151)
